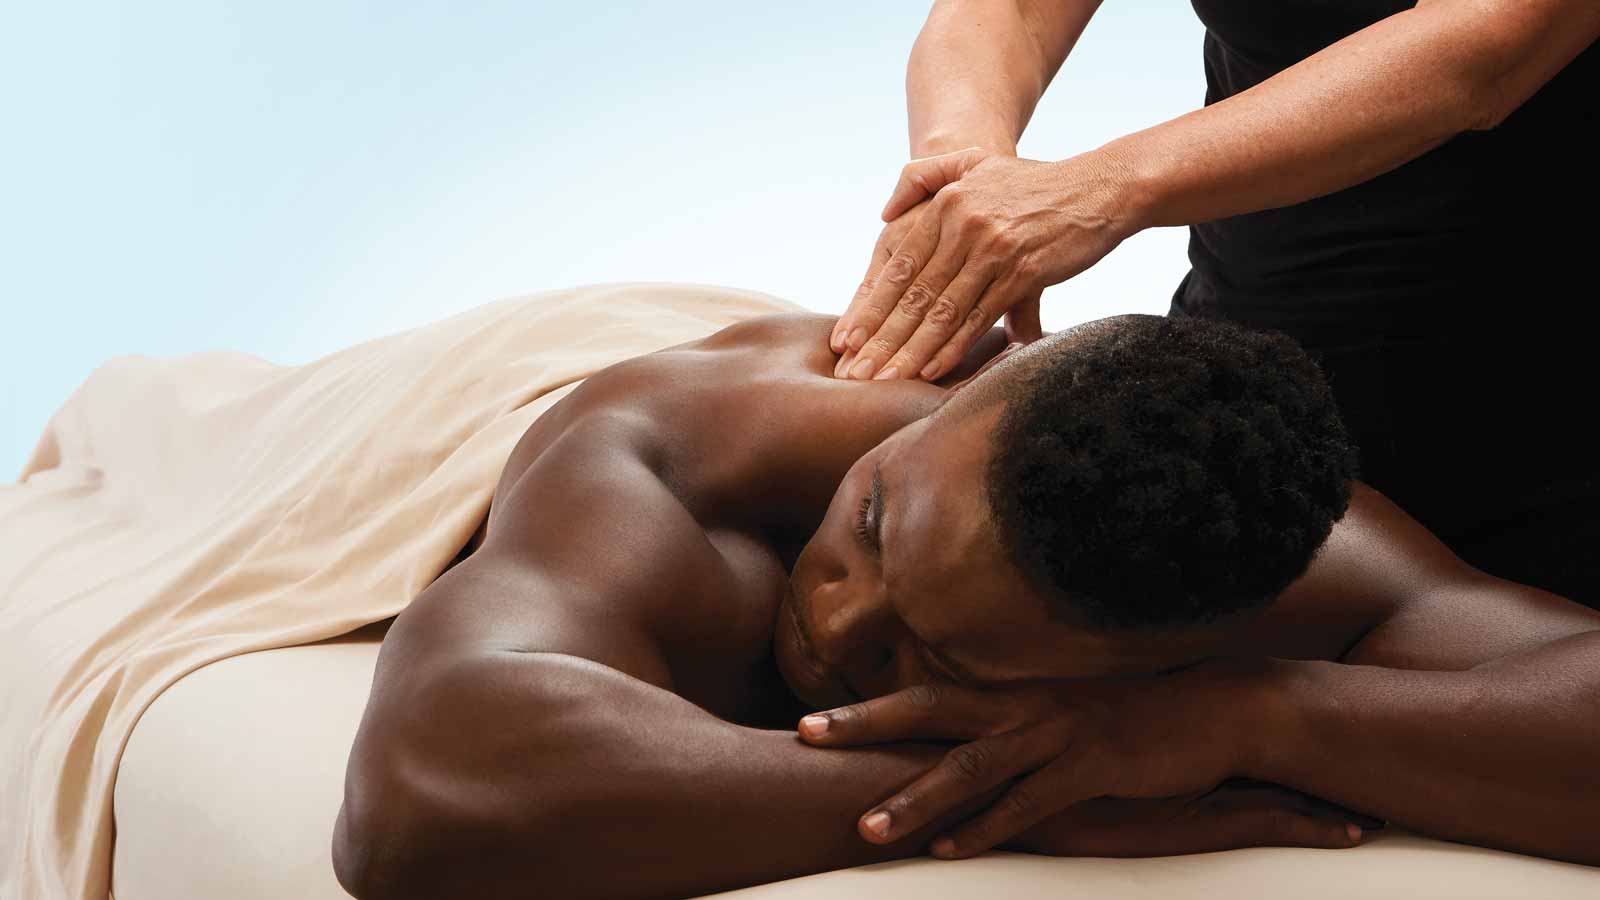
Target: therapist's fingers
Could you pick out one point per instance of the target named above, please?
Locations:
(926, 296)
(888, 240)
(914, 252)
(841, 329)
(1022, 322)
(991, 305)
(944, 318)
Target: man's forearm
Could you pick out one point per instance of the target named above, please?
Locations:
(1367, 104)
(1503, 755)
(547, 771)
(979, 67)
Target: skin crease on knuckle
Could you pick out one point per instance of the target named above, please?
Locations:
(918, 297)
(925, 696)
(969, 760)
(944, 314)
(897, 271)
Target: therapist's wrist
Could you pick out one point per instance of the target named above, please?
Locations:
(942, 143)
(1136, 191)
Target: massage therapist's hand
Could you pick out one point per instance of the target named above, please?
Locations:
(1143, 738)
(888, 241)
(995, 233)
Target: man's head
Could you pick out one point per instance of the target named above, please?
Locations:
(1116, 498)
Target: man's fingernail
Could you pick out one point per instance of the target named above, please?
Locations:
(1354, 831)
(943, 847)
(930, 370)
(815, 726)
(863, 368)
(887, 374)
(858, 337)
(842, 366)
(877, 823)
(833, 340)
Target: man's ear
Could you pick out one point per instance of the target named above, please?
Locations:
(1003, 354)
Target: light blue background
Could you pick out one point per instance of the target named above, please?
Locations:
(286, 178)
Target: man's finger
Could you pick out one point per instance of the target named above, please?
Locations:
(1272, 816)
(966, 772)
(931, 711)
(1041, 795)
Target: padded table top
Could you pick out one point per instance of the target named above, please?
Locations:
(230, 784)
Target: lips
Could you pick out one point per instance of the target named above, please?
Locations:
(802, 642)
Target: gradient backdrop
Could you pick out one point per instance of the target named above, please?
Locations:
(288, 178)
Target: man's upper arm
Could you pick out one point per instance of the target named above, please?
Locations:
(1441, 613)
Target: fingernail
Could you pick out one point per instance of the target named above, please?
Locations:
(1354, 831)
(863, 368)
(814, 726)
(858, 337)
(877, 823)
(930, 370)
(842, 366)
(943, 847)
(887, 374)
(833, 340)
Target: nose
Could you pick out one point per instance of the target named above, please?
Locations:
(848, 621)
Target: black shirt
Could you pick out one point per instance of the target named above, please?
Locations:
(1490, 229)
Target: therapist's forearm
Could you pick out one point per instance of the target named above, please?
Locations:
(1503, 755)
(1361, 107)
(979, 67)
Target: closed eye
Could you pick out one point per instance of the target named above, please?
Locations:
(862, 508)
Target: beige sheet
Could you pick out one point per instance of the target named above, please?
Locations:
(182, 511)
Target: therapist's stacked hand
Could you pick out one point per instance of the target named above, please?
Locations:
(973, 236)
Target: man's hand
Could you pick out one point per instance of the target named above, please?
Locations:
(991, 233)
(1141, 738)
(1237, 814)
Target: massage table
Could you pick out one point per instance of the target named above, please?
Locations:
(231, 781)
(202, 555)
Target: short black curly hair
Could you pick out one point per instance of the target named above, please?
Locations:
(1152, 473)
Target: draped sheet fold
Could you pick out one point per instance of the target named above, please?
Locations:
(181, 511)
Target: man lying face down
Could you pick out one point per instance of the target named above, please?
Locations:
(1128, 559)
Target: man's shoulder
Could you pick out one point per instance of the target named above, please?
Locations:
(1375, 557)
(797, 339)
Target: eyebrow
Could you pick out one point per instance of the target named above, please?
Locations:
(875, 494)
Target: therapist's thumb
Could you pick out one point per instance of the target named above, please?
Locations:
(921, 178)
